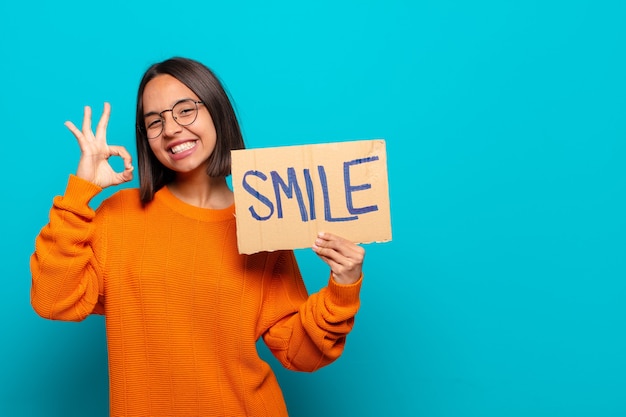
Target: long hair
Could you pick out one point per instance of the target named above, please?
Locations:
(204, 83)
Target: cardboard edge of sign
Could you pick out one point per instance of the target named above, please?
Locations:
(245, 250)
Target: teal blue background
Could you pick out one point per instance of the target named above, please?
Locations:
(503, 291)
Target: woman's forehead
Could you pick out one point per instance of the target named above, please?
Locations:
(163, 91)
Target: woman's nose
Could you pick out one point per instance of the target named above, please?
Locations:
(170, 126)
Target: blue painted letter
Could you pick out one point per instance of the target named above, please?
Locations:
(288, 189)
(327, 216)
(310, 192)
(256, 194)
(350, 189)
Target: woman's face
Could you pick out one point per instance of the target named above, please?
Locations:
(183, 149)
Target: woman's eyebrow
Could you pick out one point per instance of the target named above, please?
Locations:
(177, 101)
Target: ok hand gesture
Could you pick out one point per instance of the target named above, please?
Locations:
(94, 164)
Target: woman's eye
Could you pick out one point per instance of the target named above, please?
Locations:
(152, 124)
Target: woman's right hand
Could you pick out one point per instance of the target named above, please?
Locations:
(94, 164)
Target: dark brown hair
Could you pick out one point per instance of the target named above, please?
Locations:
(204, 83)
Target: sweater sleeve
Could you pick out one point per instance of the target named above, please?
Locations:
(65, 274)
(307, 333)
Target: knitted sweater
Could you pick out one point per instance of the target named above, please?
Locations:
(183, 308)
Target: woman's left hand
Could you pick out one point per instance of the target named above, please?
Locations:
(344, 257)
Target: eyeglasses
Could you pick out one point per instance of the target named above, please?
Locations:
(184, 113)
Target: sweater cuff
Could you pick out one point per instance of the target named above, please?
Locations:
(79, 193)
(344, 295)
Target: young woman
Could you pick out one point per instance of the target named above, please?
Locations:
(183, 308)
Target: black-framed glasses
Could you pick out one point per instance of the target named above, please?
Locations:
(184, 113)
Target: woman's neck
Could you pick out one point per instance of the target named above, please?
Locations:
(204, 192)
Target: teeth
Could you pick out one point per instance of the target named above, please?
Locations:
(182, 147)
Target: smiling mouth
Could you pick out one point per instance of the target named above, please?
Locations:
(182, 147)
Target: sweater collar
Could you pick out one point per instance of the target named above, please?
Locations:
(165, 196)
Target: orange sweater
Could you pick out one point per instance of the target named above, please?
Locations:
(183, 309)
